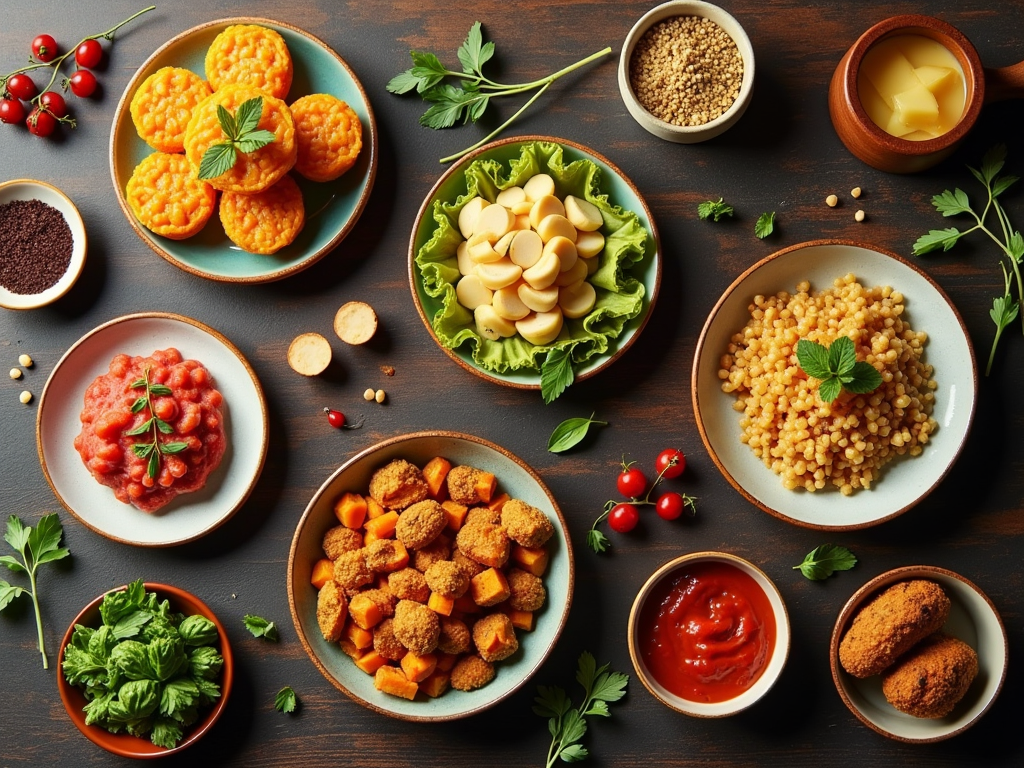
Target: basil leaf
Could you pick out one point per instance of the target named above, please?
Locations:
(166, 657)
(130, 625)
(821, 562)
(556, 374)
(217, 160)
(813, 359)
(260, 627)
(132, 658)
(570, 432)
(205, 663)
(198, 630)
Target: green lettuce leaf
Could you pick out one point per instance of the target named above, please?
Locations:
(205, 663)
(166, 733)
(131, 657)
(198, 630)
(166, 657)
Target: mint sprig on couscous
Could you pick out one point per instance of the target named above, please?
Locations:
(837, 367)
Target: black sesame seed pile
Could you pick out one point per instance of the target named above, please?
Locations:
(35, 246)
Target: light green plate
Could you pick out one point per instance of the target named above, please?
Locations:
(332, 208)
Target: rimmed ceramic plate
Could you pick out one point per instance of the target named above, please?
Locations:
(903, 481)
(515, 478)
(190, 515)
(621, 192)
(332, 208)
(972, 618)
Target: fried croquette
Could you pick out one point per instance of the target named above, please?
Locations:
(931, 677)
(383, 599)
(455, 636)
(416, 626)
(409, 584)
(527, 592)
(495, 637)
(469, 566)
(437, 550)
(398, 485)
(382, 556)
(483, 515)
(462, 485)
(331, 611)
(890, 624)
(351, 571)
(385, 643)
(470, 673)
(485, 543)
(421, 523)
(340, 539)
(526, 525)
(446, 578)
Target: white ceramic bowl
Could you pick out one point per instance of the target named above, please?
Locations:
(29, 189)
(775, 663)
(697, 133)
(972, 618)
(905, 480)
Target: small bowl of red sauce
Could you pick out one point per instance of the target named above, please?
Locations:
(708, 634)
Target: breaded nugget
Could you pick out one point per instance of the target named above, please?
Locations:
(163, 105)
(462, 485)
(167, 198)
(527, 591)
(469, 566)
(264, 222)
(385, 643)
(331, 611)
(485, 543)
(409, 584)
(931, 677)
(248, 54)
(495, 637)
(341, 539)
(329, 136)
(455, 636)
(470, 673)
(383, 599)
(397, 485)
(416, 626)
(351, 571)
(420, 524)
(890, 624)
(381, 555)
(446, 578)
(483, 515)
(525, 524)
(437, 550)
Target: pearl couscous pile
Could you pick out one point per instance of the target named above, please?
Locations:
(810, 443)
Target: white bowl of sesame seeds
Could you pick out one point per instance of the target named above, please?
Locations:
(686, 71)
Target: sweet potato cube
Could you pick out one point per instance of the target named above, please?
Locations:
(445, 661)
(498, 502)
(350, 510)
(370, 662)
(521, 619)
(382, 526)
(489, 587)
(350, 648)
(392, 680)
(484, 483)
(441, 604)
(531, 559)
(435, 472)
(364, 611)
(456, 514)
(465, 604)
(373, 509)
(323, 571)
(436, 684)
(418, 667)
(361, 638)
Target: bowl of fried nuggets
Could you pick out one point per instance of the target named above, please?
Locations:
(919, 654)
(430, 576)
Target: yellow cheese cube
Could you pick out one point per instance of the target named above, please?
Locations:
(890, 74)
(934, 78)
(916, 107)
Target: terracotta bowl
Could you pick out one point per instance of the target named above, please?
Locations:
(972, 618)
(515, 478)
(125, 744)
(773, 666)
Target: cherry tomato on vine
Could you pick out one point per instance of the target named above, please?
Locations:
(665, 466)
(54, 103)
(40, 122)
(623, 518)
(83, 83)
(11, 111)
(88, 54)
(631, 482)
(337, 420)
(22, 87)
(670, 506)
(44, 48)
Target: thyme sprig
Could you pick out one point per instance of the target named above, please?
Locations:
(154, 424)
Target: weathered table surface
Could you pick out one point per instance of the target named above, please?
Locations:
(782, 156)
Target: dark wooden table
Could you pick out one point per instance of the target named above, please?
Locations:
(782, 156)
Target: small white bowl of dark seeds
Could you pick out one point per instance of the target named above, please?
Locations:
(42, 244)
(686, 71)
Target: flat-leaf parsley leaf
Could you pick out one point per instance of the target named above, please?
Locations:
(260, 627)
(286, 700)
(821, 562)
(765, 225)
(714, 210)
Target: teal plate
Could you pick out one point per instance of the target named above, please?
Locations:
(621, 192)
(332, 208)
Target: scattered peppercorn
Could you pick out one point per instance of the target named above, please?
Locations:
(858, 216)
(35, 246)
(831, 201)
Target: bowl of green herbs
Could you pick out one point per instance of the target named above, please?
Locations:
(146, 670)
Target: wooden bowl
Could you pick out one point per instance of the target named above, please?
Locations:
(124, 744)
(972, 618)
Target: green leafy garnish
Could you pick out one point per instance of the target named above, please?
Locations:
(570, 432)
(242, 136)
(469, 100)
(556, 373)
(711, 209)
(1005, 308)
(36, 546)
(821, 562)
(285, 701)
(765, 225)
(153, 424)
(260, 627)
(837, 368)
(567, 724)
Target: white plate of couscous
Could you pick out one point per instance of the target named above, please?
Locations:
(773, 430)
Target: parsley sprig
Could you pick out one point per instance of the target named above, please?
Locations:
(837, 367)
(822, 561)
(567, 724)
(260, 627)
(154, 424)
(286, 701)
(711, 209)
(242, 136)
(469, 100)
(764, 225)
(1005, 308)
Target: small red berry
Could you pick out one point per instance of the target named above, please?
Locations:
(22, 87)
(40, 122)
(11, 111)
(83, 83)
(88, 54)
(44, 48)
(54, 103)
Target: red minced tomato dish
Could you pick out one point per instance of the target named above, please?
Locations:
(152, 428)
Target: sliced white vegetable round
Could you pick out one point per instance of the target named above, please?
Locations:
(543, 273)
(521, 207)
(355, 322)
(526, 248)
(577, 300)
(309, 354)
(498, 274)
(589, 244)
(546, 206)
(538, 301)
(468, 215)
(507, 304)
(539, 186)
(501, 247)
(466, 263)
(511, 197)
(493, 222)
(471, 293)
(481, 251)
(592, 265)
(573, 275)
(541, 327)
(556, 226)
(491, 325)
(583, 214)
(564, 249)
